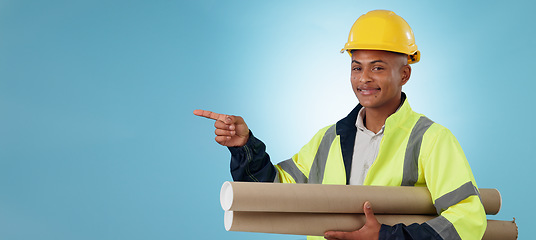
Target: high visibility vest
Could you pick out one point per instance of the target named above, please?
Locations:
(414, 151)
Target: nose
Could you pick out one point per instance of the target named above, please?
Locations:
(365, 77)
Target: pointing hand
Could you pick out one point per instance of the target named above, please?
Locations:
(231, 131)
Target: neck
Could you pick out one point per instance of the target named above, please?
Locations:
(375, 118)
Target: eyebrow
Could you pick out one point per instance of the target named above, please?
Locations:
(375, 61)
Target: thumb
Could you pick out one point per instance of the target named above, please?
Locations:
(336, 235)
(369, 213)
(227, 119)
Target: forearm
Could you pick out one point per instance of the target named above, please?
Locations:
(251, 163)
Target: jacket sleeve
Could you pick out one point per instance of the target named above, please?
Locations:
(454, 192)
(297, 168)
(251, 163)
(403, 232)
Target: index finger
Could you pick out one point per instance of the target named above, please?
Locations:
(211, 115)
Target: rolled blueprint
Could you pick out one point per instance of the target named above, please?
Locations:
(498, 230)
(316, 224)
(282, 197)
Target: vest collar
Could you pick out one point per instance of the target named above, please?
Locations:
(399, 117)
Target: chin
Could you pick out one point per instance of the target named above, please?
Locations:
(365, 102)
(367, 105)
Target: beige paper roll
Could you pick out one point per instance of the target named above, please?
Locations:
(493, 232)
(281, 197)
(316, 224)
(491, 199)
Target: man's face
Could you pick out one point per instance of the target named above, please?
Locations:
(377, 78)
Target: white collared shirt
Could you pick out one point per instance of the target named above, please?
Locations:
(366, 148)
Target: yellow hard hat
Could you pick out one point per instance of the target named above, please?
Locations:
(383, 30)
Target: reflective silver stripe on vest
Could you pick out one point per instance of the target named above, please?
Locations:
(411, 159)
(276, 179)
(316, 175)
(444, 228)
(467, 189)
(290, 167)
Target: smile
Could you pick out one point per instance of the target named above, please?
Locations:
(368, 91)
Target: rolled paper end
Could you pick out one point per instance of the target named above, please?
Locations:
(491, 199)
(226, 196)
(500, 202)
(228, 220)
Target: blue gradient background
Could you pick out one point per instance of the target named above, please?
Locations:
(97, 135)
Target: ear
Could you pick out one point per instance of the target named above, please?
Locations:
(405, 73)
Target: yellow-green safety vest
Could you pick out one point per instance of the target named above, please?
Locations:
(414, 151)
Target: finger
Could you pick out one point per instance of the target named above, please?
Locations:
(207, 114)
(223, 140)
(221, 132)
(211, 115)
(222, 125)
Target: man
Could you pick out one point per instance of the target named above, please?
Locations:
(381, 142)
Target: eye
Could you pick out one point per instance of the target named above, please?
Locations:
(377, 68)
(356, 68)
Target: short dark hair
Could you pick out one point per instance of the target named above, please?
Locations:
(402, 54)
